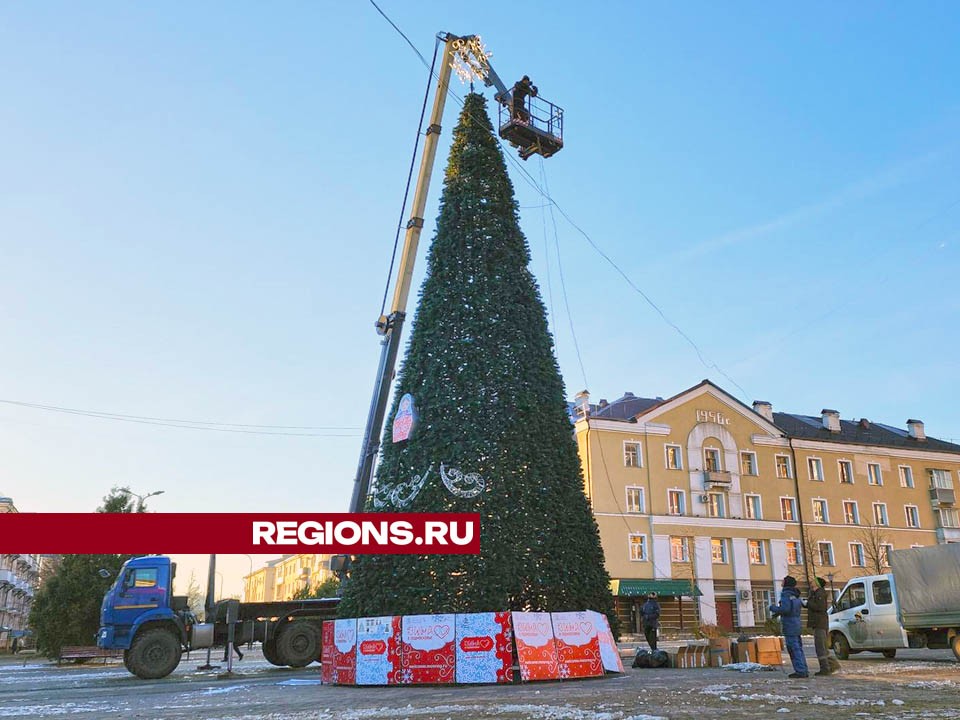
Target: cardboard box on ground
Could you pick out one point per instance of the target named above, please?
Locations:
(718, 652)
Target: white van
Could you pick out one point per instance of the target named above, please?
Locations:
(864, 617)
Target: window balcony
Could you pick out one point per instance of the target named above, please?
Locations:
(717, 478)
(6, 577)
(943, 496)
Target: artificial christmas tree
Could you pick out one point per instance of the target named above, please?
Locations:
(491, 431)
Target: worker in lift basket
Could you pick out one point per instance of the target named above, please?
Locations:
(520, 91)
(789, 612)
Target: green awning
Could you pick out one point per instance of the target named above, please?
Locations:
(668, 588)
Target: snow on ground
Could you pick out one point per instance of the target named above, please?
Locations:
(68, 708)
(529, 711)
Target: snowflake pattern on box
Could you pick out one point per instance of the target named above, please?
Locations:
(428, 654)
(578, 647)
(484, 648)
(536, 649)
(609, 653)
(378, 650)
(345, 651)
(327, 652)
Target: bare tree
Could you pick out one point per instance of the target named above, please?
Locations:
(876, 544)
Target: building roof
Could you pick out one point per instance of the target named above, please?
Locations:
(859, 432)
(801, 427)
(626, 407)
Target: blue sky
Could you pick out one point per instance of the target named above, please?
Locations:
(197, 205)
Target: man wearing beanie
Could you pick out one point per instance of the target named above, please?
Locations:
(819, 622)
(789, 612)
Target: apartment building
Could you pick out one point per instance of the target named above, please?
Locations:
(284, 577)
(710, 502)
(19, 576)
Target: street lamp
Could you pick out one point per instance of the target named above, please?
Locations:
(140, 498)
(246, 585)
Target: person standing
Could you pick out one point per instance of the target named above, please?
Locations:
(819, 622)
(789, 612)
(650, 619)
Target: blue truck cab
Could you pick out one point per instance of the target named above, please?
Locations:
(141, 616)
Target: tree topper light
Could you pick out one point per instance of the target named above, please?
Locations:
(471, 60)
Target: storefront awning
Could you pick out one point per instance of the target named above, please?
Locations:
(663, 588)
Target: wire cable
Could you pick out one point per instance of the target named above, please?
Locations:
(189, 424)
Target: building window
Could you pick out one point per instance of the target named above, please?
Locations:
(673, 456)
(634, 499)
(754, 509)
(885, 550)
(783, 466)
(825, 550)
(880, 514)
(638, 547)
(815, 467)
(788, 508)
(851, 515)
(678, 549)
(748, 463)
(874, 476)
(949, 518)
(845, 467)
(761, 606)
(715, 507)
(631, 455)
(794, 556)
(718, 551)
(820, 511)
(940, 479)
(913, 515)
(906, 476)
(711, 460)
(756, 552)
(856, 555)
(676, 502)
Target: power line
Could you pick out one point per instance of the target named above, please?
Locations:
(190, 424)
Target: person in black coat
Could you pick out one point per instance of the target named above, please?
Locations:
(819, 621)
(519, 94)
(650, 619)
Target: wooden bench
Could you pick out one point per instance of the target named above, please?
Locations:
(87, 652)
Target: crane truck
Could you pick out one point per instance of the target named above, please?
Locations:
(139, 614)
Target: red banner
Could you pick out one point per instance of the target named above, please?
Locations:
(169, 533)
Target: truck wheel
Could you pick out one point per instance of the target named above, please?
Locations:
(269, 648)
(154, 654)
(298, 644)
(890, 654)
(126, 661)
(841, 646)
(955, 646)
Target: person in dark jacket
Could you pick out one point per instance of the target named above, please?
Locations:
(521, 89)
(819, 622)
(650, 620)
(789, 612)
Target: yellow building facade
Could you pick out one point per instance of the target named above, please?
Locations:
(710, 502)
(284, 577)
